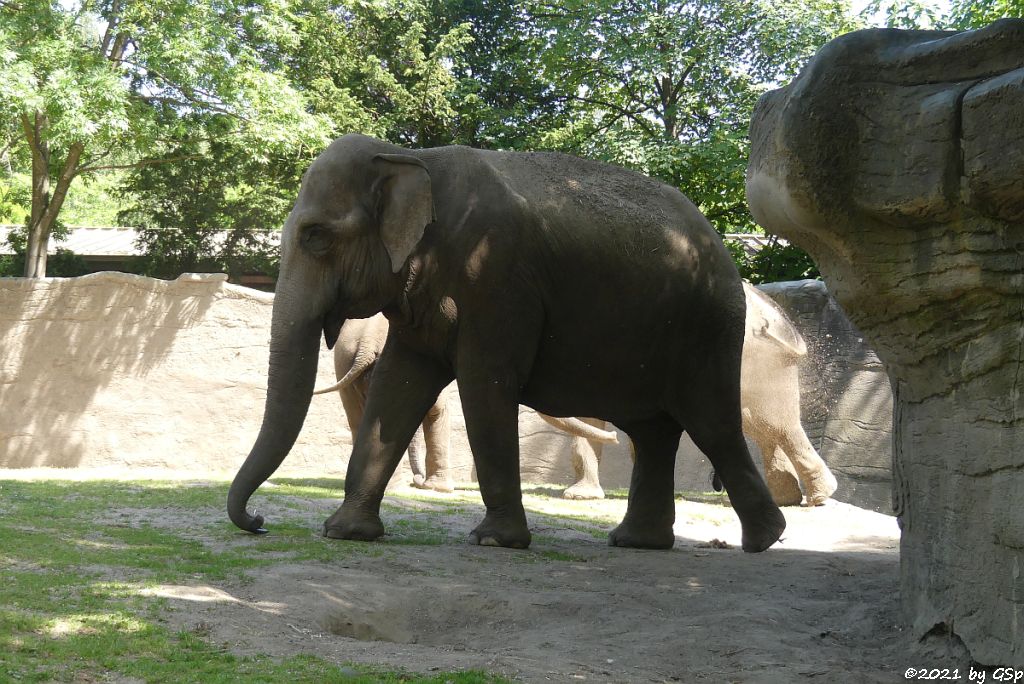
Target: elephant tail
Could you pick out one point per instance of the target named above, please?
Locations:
(577, 428)
(769, 320)
(364, 359)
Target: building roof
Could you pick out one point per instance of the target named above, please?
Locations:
(120, 241)
(101, 241)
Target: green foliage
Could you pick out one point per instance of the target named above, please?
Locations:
(15, 198)
(775, 262)
(907, 14)
(214, 208)
(960, 15)
(94, 200)
(668, 88)
(382, 68)
(216, 202)
(969, 14)
(95, 85)
(230, 99)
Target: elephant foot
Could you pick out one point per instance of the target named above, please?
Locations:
(504, 531)
(821, 488)
(583, 490)
(359, 527)
(762, 529)
(445, 485)
(785, 488)
(634, 536)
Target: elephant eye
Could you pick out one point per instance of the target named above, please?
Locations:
(316, 238)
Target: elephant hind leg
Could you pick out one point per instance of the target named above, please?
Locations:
(651, 510)
(818, 481)
(714, 423)
(417, 458)
(779, 474)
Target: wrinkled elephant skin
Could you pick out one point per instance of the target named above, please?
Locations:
(498, 269)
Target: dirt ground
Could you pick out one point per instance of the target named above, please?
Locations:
(820, 606)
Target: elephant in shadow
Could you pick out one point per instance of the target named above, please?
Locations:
(500, 270)
(770, 399)
(357, 351)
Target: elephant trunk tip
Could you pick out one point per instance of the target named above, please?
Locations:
(247, 522)
(241, 517)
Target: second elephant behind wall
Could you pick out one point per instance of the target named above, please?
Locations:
(770, 395)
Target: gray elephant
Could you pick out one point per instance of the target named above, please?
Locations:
(770, 398)
(357, 351)
(499, 269)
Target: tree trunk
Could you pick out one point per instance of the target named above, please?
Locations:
(45, 207)
(38, 234)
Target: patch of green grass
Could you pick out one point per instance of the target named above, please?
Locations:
(75, 558)
(316, 488)
(551, 554)
(715, 498)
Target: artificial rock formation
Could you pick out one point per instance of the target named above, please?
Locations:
(896, 158)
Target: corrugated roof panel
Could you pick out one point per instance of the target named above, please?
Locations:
(117, 241)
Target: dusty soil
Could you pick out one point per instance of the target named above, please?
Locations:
(822, 605)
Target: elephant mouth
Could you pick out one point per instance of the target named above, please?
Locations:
(333, 320)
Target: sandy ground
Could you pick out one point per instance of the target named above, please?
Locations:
(820, 606)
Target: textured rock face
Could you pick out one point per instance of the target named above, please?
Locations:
(112, 369)
(897, 160)
(116, 370)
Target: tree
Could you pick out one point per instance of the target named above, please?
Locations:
(102, 84)
(970, 14)
(503, 100)
(215, 209)
(959, 15)
(382, 68)
(668, 87)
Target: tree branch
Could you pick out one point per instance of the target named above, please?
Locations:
(618, 109)
(115, 10)
(138, 164)
(60, 191)
(682, 80)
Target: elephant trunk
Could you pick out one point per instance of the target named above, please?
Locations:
(294, 352)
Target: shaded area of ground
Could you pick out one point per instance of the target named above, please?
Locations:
(819, 606)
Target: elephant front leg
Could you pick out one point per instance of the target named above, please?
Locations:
(437, 433)
(491, 407)
(404, 386)
(586, 460)
(651, 511)
(417, 458)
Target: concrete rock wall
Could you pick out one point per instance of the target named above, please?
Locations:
(908, 191)
(118, 370)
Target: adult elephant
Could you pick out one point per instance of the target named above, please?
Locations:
(770, 400)
(356, 352)
(501, 269)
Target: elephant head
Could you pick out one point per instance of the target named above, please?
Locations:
(361, 210)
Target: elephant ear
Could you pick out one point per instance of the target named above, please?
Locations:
(406, 205)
